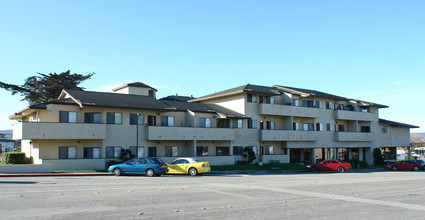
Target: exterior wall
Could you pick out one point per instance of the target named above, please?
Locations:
(395, 136)
(234, 102)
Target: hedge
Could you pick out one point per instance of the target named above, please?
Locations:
(14, 158)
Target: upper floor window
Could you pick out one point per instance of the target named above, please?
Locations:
(308, 103)
(223, 123)
(92, 117)
(67, 117)
(365, 128)
(319, 104)
(384, 129)
(167, 121)
(308, 127)
(114, 118)
(205, 122)
(237, 123)
(136, 118)
(330, 127)
(364, 109)
(296, 126)
(251, 98)
(295, 102)
(329, 105)
(340, 107)
(341, 128)
(267, 99)
(252, 123)
(270, 125)
(319, 127)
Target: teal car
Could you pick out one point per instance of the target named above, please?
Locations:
(150, 166)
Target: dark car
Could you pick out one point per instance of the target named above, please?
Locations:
(150, 166)
(405, 165)
(329, 165)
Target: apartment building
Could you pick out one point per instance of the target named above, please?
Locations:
(84, 129)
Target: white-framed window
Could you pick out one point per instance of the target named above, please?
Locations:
(138, 151)
(114, 118)
(113, 152)
(329, 105)
(268, 150)
(91, 153)
(308, 127)
(270, 125)
(384, 129)
(205, 122)
(252, 124)
(330, 127)
(295, 102)
(67, 117)
(171, 151)
(137, 118)
(252, 98)
(270, 100)
(319, 104)
(67, 152)
(167, 121)
(237, 123)
(296, 126)
(202, 151)
(319, 127)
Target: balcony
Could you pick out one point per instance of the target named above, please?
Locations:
(287, 110)
(189, 133)
(48, 130)
(354, 136)
(288, 135)
(359, 116)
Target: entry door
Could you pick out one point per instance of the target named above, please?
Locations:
(151, 120)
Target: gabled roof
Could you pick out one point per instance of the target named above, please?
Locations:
(135, 84)
(177, 98)
(396, 124)
(248, 88)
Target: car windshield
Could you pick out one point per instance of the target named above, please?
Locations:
(157, 160)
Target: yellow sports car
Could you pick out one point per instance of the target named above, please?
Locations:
(188, 166)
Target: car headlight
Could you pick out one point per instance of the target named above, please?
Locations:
(308, 166)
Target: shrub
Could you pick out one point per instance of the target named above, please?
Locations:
(352, 163)
(363, 164)
(377, 156)
(14, 158)
(249, 154)
(112, 162)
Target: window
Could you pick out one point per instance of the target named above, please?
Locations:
(138, 151)
(171, 151)
(114, 118)
(365, 129)
(308, 127)
(92, 117)
(319, 127)
(238, 150)
(384, 129)
(152, 152)
(223, 123)
(254, 148)
(113, 152)
(295, 102)
(296, 126)
(270, 100)
(268, 150)
(341, 128)
(251, 98)
(329, 105)
(340, 107)
(136, 118)
(67, 152)
(67, 117)
(237, 123)
(364, 109)
(330, 127)
(151, 120)
(308, 103)
(167, 121)
(222, 151)
(205, 122)
(201, 151)
(253, 124)
(91, 153)
(319, 104)
(270, 125)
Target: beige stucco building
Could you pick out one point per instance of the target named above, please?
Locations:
(82, 129)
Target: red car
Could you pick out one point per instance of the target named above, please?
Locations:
(329, 165)
(405, 165)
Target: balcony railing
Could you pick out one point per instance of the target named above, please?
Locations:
(355, 136)
(51, 130)
(287, 110)
(189, 133)
(351, 115)
(288, 135)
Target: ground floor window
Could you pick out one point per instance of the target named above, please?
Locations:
(222, 151)
(201, 151)
(324, 154)
(152, 152)
(138, 151)
(113, 152)
(91, 153)
(268, 150)
(343, 154)
(171, 151)
(67, 152)
(238, 150)
(390, 153)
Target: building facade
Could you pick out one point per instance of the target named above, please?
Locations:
(83, 129)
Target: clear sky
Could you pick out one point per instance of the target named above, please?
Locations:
(367, 50)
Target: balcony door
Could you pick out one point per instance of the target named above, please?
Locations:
(151, 120)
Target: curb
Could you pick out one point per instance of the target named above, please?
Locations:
(50, 174)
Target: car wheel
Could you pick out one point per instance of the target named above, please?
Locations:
(117, 172)
(314, 170)
(150, 173)
(394, 168)
(193, 171)
(415, 168)
(340, 169)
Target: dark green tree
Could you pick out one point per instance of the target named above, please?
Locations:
(46, 87)
(377, 156)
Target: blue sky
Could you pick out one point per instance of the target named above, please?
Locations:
(367, 50)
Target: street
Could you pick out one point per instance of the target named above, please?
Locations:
(350, 195)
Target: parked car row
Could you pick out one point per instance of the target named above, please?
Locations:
(151, 166)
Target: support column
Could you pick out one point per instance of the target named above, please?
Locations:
(350, 153)
(313, 155)
(360, 154)
(336, 153)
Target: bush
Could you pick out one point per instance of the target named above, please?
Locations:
(249, 154)
(14, 158)
(363, 164)
(112, 162)
(377, 156)
(353, 163)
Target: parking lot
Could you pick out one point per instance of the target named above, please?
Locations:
(351, 195)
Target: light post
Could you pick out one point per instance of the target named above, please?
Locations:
(137, 134)
(260, 156)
